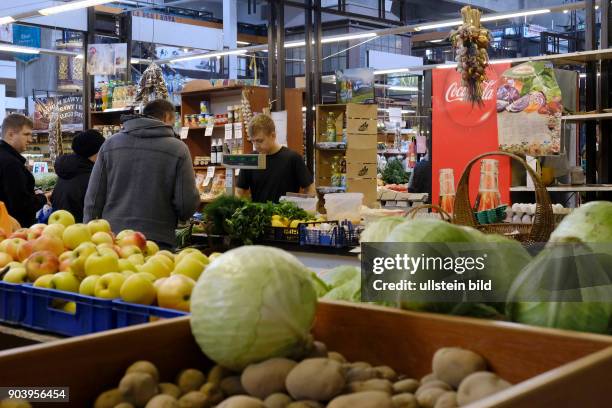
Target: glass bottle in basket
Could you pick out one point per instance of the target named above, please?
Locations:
(488, 192)
(447, 190)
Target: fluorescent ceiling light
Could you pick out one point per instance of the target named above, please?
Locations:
(435, 41)
(19, 49)
(294, 44)
(339, 38)
(514, 15)
(403, 88)
(210, 55)
(79, 56)
(391, 71)
(446, 66)
(243, 43)
(75, 5)
(7, 20)
(565, 11)
(136, 61)
(500, 61)
(438, 25)
(582, 75)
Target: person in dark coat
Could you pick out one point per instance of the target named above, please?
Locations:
(16, 181)
(420, 179)
(73, 171)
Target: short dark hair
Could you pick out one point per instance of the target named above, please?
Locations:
(16, 122)
(158, 108)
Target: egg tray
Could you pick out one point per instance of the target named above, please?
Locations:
(492, 216)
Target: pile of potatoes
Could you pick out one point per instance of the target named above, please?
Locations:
(324, 379)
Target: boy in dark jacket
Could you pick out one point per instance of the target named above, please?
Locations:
(73, 171)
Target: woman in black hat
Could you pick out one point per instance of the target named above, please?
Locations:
(73, 171)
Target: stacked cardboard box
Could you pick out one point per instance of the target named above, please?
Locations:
(361, 154)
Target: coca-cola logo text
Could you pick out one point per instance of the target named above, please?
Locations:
(456, 93)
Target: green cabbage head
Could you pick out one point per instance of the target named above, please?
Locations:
(253, 303)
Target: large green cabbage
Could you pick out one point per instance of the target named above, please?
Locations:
(251, 304)
(344, 283)
(590, 223)
(379, 230)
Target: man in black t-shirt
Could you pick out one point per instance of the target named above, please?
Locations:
(285, 170)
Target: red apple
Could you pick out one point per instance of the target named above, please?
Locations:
(34, 233)
(48, 243)
(18, 248)
(20, 233)
(41, 263)
(134, 238)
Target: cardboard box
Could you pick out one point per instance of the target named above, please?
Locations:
(363, 141)
(361, 111)
(555, 368)
(362, 126)
(360, 170)
(361, 155)
(322, 114)
(367, 186)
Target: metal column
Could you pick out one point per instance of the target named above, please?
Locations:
(318, 53)
(309, 137)
(280, 60)
(271, 50)
(591, 98)
(605, 128)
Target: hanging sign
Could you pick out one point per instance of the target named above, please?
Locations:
(27, 36)
(70, 111)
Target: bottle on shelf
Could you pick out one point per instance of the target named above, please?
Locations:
(331, 127)
(104, 96)
(336, 171)
(412, 157)
(488, 192)
(447, 190)
(213, 152)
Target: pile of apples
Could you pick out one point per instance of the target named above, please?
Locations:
(89, 259)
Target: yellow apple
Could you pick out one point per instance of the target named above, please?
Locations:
(148, 276)
(109, 285)
(185, 252)
(125, 265)
(157, 267)
(151, 248)
(158, 283)
(136, 259)
(81, 253)
(124, 233)
(189, 266)
(167, 254)
(88, 285)
(61, 217)
(15, 264)
(5, 259)
(49, 243)
(18, 248)
(15, 275)
(70, 307)
(214, 256)
(65, 281)
(101, 237)
(134, 238)
(100, 264)
(175, 292)
(99, 226)
(165, 260)
(138, 289)
(127, 274)
(44, 281)
(75, 235)
(55, 230)
(105, 250)
(129, 250)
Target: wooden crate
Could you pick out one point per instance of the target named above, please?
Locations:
(555, 368)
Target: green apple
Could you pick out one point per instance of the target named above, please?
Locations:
(101, 237)
(41, 263)
(175, 292)
(126, 265)
(136, 259)
(157, 267)
(61, 217)
(15, 275)
(99, 226)
(151, 248)
(55, 230)
(189, 266)
(88, 285)
(65, 281)
(81, 253)
(44, 281)
(138, 289)
(100, 264)
(75, 235)
(109, 285)
(148, 276)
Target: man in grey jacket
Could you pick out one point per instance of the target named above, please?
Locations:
(143, 178)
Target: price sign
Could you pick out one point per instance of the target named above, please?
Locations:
(209, 130)
(184, 132)
(228, 131)
(238, 130)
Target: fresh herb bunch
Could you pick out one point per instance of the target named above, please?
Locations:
(249, 221)
(394, 173)
(290, 211)
(219, 210)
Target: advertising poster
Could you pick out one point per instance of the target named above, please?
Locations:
(27, 36)
(70, 111)
(355, 85)
(462, 131)
(106, 59)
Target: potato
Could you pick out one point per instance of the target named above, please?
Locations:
(306, 404)
(170, 389)
(434, 384)
(366, 399)
(453, 364)
(162, 401)
(405, 400)
(375, 384)
(120, 405)
(144, 366)
(428, 397)
(213, 393)
(278, 400)
(190, 379)
(408, 385)
(447, 400)
(231, 386)
(336, 356)
(194, 399)
(386, 372)
(217, 373)
(361, 374)
(319, 379)
(265, 378)
(241, 401)
(359, 364)
(108, 399)
(138, 388)
(319, 349)
(479, 385)
(428, 377)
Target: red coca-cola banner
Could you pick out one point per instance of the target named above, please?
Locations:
(462, 131)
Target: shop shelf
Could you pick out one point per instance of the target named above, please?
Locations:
(43, 312)
(128, 314)
(12, 302)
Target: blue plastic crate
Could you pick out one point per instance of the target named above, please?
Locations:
(12, 302)
(42, 313)
(342, 235)
(128, 314)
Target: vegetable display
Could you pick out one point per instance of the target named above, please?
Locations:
(394, 173)
(45, 181)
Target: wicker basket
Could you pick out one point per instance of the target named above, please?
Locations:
(415, 210)
(543, 222)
